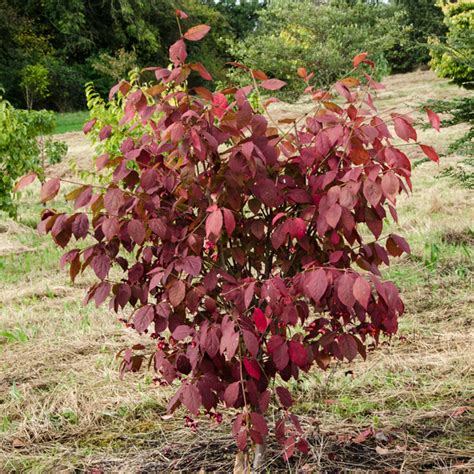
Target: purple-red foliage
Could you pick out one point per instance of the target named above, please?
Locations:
(241, 245)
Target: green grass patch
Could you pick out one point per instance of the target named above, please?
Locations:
(70, 121)
(44, 258)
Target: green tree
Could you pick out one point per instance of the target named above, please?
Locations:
(35, 83)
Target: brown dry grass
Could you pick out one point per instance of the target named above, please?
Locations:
(64, 409)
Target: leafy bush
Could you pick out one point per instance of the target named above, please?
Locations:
(106, 119)
(460, 110)
(235, 243)
(323, 38)
(35, 83)
(22, 149)
(118, 65)
(454, 58)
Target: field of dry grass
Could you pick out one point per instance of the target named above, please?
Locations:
(407, 408)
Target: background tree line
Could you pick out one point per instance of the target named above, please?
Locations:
(50, 49)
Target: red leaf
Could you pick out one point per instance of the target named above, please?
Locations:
(372, 192)
(248, 294)
(258, 423)
(177, 292)
(298, 353)
(204, 93)
(178, 52)
(144, 317)
(192, 265)
(345, 294)
(176, 131)
(231, 343)
(80, 226)
(110, 227)
(297, 228)
(302, 72)
(24, 181)
(191, 398)
(136, 229)
(393, 248)
(241, 440)
(113, 200)
(434, 119)
(359, 58)
(88, 126)
(182, 15)
(260, 320)
(219, 104)
(315, 284)
(101, 293)
(252, 368)
(264, 400)
(182, 332)
(430, 152)
(404, 129)
(362, 291)
(272, 84)
(390, 185)
(203, 72)
(289, 448)
(101, 266)
(284, 396)
(84, 197)
(50, 189)
(274, 343)
(348, 346)
(212, 343)
(333, 214)
(197, 32)
(231, 393)
(303, 446)
(251, 342)
(401, 242)
(280, 356)
(214, 223)
(278, 217)
(259, 75)
(105, 132)
(229, 221)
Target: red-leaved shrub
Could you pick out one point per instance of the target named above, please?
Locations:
(248, 252)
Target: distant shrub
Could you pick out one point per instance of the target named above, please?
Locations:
(321, 37)
(420, 20)
(454, 58)
(23, 149)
